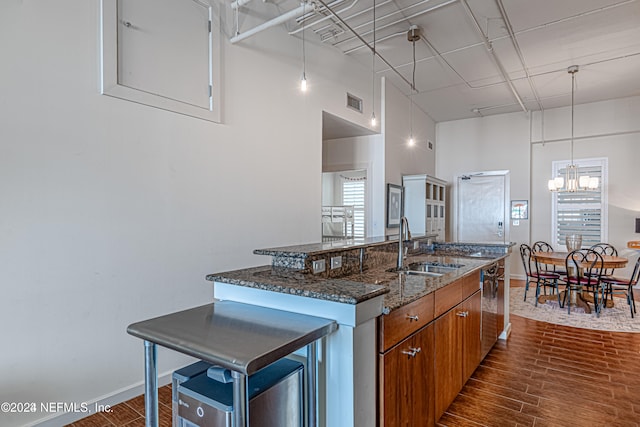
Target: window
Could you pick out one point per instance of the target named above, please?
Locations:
(581, 212)
(353, 193)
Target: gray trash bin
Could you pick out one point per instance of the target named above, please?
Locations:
(275, 397)
(180, 376)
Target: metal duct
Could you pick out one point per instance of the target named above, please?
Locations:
(292, 14)
(238, 3)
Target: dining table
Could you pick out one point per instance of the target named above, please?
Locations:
(558, 259)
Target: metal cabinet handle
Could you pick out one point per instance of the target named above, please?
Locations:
(414, 317)
(412, 351)
(462, 314)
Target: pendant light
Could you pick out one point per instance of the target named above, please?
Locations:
(374, 122)
(413, 35)
(303, 80)
(572, 181)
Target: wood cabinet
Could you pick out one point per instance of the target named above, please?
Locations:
(424, 363)
(471, 335)
(406, 385)
(458, 341)
(405, 368)
(448, 360)
(404, 321)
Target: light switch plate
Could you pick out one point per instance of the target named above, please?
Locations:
(318, 266)
(336, 262)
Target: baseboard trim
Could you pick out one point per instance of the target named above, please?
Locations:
(507, 331)
(108, 400)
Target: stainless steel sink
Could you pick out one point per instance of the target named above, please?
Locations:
(431, 268)
(422, 273)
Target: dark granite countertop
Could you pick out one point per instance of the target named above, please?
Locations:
(296, 282)
(303, 251)
(399, 289)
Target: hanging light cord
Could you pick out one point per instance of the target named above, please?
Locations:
(237, 21)
(373, 64)
(304, 56)
(413, 80)
(573, 86)
(413, 88)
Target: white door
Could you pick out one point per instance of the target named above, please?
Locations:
(481, 207)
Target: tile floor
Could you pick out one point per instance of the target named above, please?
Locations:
(549, 375)
(130, 413)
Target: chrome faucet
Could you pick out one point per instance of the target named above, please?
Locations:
(404, 229)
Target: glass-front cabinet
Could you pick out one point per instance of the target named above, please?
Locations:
(425, 204)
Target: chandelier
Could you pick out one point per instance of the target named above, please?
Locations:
(572, 181)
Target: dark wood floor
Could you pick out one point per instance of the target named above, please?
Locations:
(544, 375)
(551, 375)
(130, 413)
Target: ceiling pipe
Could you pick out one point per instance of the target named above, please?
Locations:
(516, 46)
(525, 31)
(364, 11)
(375, 52)
(305, 7)
(238, 3)
(272, 23)
(378, 40)
(441, 56)
(489, 48)
(484, 86)
(399, 21)
(324, 18)
(495, 39)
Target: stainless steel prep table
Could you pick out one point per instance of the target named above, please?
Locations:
(241, 337)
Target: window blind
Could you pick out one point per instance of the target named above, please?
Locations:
(353, 193)
(582, 212)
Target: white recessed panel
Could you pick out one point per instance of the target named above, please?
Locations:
(161, 53)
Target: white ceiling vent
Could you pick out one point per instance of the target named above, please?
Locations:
(354, 102)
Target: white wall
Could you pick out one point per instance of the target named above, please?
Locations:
(400, 158)
(512, 141)
(114, 212)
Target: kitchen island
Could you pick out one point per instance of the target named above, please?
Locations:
(360, 292)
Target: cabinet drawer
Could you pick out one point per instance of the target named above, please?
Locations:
(448, 297)
(470, 284)
(402, 322)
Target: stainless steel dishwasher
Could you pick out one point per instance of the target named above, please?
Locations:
(491, 278)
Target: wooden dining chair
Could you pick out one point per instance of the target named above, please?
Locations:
(623, 286)
(536, 274)
(584, 270)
